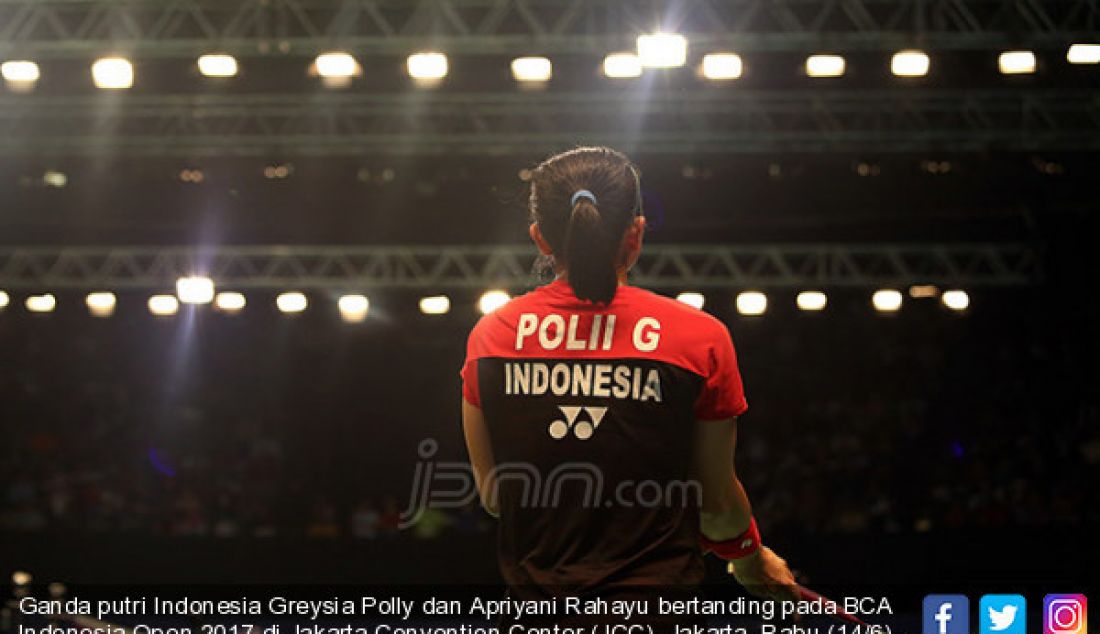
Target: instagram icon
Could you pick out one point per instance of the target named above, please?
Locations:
(1065, 614)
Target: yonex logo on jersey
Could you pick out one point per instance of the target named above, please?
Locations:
(584, 429)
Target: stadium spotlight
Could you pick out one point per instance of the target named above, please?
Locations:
(218, 65)
(195, 289)
(825, 65)
(5, 299)
(435, 305)
(662, 50)
(1016, 62)
(886, 300)
(695, 300)
(1083, 54)
(752, 303)
(164, 305)
(353, 308)
(811, 300)
(291, 302)
(532, 69)
(492, 300)
(922, 291)
(622, 66)
(20, 75)
(44, 303)
(230, 302)
(101, 303)
(55, 179)
(21, 578)
(428, 66)
(722, 66)
(910, 63)
(955, 299)
(113, 73)
(336, 65)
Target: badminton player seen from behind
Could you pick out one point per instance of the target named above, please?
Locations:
(612, 386)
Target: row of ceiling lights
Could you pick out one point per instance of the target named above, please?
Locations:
(656, 50)
(354, 307)
(283, 171)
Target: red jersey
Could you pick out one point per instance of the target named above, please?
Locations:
(590, 411)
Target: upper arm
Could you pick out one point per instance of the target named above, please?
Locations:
(715, 443)
(480, 448)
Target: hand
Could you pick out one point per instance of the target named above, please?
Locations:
(765, 574)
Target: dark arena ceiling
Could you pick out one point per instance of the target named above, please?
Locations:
(277, 154)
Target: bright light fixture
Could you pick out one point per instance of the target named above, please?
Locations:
(5, 299)
(534, 69)
(54, 178)
(662, 50)
(44, 303)
(722, 66)
(752, 303)
(1083, 54)
(218, 65)
(955, 299)
(811, 300)
(21, 578)
(113, 73)
(1016, 62)
(293, 302)
(887, 300)
(695, 300)
(435, 305)
(195, 289)
(230, 302)
(492, 300)
(427, 66)
(622, 66)
(923, 291)
(336, 65)
(21, 75)
(910, 63)
(101, 303)
(164, 305)
(825, 65)
(353, 308)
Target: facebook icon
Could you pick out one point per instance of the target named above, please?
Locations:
(946, 614)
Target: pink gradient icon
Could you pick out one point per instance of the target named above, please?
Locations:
(1065, 614)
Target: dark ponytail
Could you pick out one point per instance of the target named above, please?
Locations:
(584, 200)
(590, 254)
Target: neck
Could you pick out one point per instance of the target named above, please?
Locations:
(562, 274)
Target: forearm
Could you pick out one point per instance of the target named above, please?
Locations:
(727, 513)
(487, 492)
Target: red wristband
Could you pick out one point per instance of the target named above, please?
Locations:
(739, 547)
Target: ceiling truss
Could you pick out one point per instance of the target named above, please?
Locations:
(182, 28)
(41, 269)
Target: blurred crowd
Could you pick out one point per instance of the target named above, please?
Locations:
(857, 424)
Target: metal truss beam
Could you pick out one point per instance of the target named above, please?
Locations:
(184, 28)
(702, 122)
(475, 267)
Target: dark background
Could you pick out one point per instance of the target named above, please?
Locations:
(921, 447)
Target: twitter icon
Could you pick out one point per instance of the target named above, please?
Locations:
(1002, 614)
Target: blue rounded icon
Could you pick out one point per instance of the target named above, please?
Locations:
(1002, 614)
(946, 614)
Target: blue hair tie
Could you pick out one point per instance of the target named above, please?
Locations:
(582, 193)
